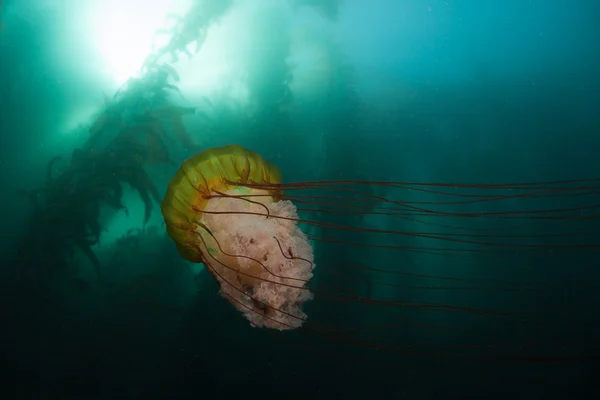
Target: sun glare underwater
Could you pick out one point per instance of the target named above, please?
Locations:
(319, 197)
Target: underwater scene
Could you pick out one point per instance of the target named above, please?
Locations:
(337, 199)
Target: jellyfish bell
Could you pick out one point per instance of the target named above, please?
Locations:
(247, 237)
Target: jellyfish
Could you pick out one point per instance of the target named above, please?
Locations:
(253, 248)
(392, 267)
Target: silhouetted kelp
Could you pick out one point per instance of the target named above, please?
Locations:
(190, 29)
(127, 135)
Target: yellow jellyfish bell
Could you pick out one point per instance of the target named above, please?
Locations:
(209, 173)
(224, 208)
